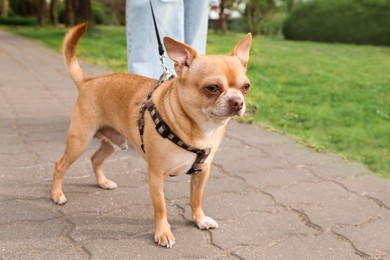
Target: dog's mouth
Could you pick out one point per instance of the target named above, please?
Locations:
(228, 114)
(221, 117)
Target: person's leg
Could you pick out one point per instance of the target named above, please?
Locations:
(196, 13)
(142, 47)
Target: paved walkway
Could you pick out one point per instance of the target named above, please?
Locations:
(273, 198)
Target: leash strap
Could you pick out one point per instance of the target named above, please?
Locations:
(161, 50)
(160, 46)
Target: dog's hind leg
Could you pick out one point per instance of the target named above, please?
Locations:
(106, 149)
(79, 136)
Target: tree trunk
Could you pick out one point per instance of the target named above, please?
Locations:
(42, 13)
(4, 11)
(255, 17)
(69, 13)
(84, 11)
(53, 12)
(222, 23)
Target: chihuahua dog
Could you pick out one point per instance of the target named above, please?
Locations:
(195, 105)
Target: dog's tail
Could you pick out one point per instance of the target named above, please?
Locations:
(69, 52)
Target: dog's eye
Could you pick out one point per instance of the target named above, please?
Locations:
(247, 87)
(212, 88)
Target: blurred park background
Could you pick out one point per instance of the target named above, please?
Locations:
(320, 69)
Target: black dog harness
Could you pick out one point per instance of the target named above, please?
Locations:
(164, 130)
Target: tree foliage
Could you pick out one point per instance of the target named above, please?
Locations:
(75, 10)
(24, 7)
(256, 11)
(349, 21)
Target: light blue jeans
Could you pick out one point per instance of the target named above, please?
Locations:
(183, 20)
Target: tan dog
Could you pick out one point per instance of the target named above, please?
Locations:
(196, 105)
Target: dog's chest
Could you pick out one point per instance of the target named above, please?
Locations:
(180, 162)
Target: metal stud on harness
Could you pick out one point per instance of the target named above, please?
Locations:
(161, 127)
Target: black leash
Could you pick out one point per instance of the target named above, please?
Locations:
(160, 46)
(161, 50)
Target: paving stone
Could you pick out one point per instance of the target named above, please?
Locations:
(246, 160)
(22, 160)
(65, 252)
(346, 211)
(279, 177)
(37, 240)
(250, 135)
(296, 246)
(117, 224)
(12, 149)
(11, 139)
(365, 237)
(18, 211)
(190, 244)
(24, 190)
(224, 206)
(95, 199)
(257, 229)
(317, 200)
(365, 184)
(310, 193)
(383, 199)
(339, 169)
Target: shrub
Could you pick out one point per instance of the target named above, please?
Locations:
(348, 21)
(16, 20)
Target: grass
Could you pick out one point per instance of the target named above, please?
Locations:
(332, 97)
(103, 46)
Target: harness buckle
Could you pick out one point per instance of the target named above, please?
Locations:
(163, 129)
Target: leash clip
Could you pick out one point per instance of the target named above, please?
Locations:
(167, 70)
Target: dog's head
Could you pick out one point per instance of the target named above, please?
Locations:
(213, 85)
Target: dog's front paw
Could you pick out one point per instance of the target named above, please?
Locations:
(108, 185)
(207, 223)
(59, 198)
(165, 239)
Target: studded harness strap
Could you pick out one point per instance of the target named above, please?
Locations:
(164, 130)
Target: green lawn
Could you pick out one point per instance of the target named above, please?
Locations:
(104, 46)
(332, 97)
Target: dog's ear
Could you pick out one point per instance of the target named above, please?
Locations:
(182, 54)
(241, 51)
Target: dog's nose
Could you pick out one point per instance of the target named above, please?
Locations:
(236, 103)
